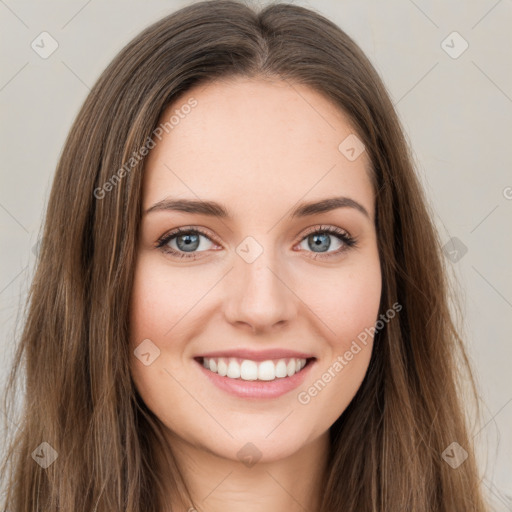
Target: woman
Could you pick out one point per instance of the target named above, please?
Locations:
(240, 300)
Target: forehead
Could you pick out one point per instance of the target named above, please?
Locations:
(252, 142)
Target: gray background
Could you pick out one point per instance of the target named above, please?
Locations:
(456, 113)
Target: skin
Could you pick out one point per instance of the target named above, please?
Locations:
(258, 147)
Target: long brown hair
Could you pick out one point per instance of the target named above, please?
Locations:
(386, 448)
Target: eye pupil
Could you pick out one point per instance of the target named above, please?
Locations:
(320, 240)
(191, 242)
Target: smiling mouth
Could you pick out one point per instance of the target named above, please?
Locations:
(248, 370)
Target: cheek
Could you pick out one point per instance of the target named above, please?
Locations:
(358, 303)
(164, 309)
(345, 300)
(347, 305)
(161, 297)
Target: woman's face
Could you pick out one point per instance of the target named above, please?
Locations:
(254, 290)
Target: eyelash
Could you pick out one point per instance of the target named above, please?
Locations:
(342, 235)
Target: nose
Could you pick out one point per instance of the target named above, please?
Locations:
(258, 295)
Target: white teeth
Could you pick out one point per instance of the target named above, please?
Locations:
(248, 370)
(281, 369)
(222, 368)
(266, 370)
(233, 369)
(251, 370)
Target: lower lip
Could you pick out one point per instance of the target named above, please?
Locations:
(258, 388)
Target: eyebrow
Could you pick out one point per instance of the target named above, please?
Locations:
(214, 209)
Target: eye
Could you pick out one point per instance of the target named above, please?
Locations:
(181, 241)
(319, 239)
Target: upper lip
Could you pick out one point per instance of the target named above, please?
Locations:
(259, 355)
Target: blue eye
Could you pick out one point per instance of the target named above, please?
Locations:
(319, 240)
(186, 242)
